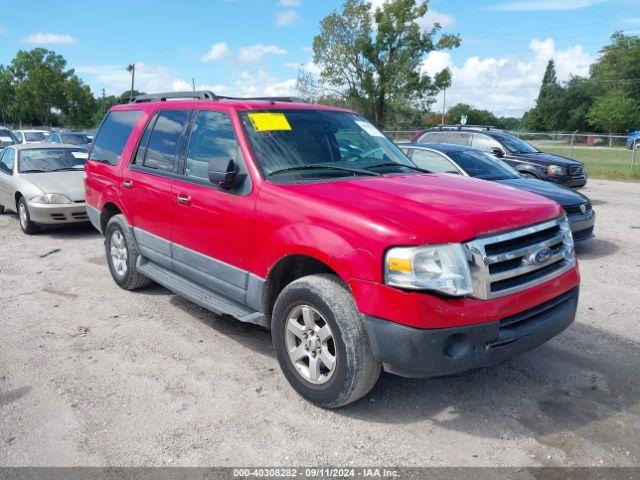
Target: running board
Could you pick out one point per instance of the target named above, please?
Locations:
(205, 298)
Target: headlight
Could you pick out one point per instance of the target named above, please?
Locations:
(556, 170)
(565, 227)
(51, 198)
(443, 268)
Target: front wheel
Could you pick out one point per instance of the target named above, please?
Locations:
(321, 343)
(26, 224)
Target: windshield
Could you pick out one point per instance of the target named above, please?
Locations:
(319, 145)
(51, 160)
(34, 136)
(515, 144)
(481, 165)
(75, 138)
(7, 138)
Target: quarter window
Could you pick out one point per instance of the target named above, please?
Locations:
(212, 137)
(432, 137)
(113, 135)
(163, 142)
(484, 143)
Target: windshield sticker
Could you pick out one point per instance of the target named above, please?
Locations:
(269, 122)
(82, 155)
(6, 139)
(370, 129)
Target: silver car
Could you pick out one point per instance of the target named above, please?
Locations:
(43, 184)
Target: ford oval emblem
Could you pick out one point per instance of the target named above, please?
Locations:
(583, 208)
(540, 256)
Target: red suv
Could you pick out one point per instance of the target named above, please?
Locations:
(307, 220)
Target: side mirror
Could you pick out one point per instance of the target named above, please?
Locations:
(497, 151)
(223, 171)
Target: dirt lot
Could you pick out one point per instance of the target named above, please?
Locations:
(93, 375)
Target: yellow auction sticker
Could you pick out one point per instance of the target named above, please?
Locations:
(269, 122)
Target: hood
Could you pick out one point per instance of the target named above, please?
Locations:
(542, 158)
(433, 208)
(70, 184)
(557, 193)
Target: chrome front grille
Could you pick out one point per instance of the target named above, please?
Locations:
(576, 170)
(514, 261)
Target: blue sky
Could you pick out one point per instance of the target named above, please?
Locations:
(254, 47)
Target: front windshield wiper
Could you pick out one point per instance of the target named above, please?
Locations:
(392, 164)
(67, 169)
(33, 170)
(324, 167)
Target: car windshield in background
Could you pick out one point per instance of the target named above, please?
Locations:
(75, 138)
(515, 144)
(7, 138)
(320, 144)
(481, 165)
(34, 136)
(51, 160)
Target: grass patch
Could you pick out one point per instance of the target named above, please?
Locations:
(601, 162)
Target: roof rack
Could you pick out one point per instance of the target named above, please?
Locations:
(460, 127)
(206, 95)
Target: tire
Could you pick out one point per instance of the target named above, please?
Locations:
(330, 303)
(24, 218)
(122, 260)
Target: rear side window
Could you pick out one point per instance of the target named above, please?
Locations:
(458, 138)
(433, 162)
(113, 135)
(212, 137)
(432, 137)
(163, 141)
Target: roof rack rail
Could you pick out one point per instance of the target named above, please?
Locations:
(460, 126)
(163, 97)
(267, 99)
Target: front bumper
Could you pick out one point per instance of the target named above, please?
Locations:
(46, 214)
(577, 181)
(582, 225)
(413, 352)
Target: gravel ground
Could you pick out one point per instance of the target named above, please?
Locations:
(93, 375)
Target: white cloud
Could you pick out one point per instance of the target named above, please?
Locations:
(633, 21)
(45, 38)
(507, 85)
(542, 5)
(256, 53)
(262, 83)
(218, 51)
(290, 3)
(115, 79)
(286, 17)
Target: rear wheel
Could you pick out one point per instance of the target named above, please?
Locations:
(122, 254)
(26, 224)
(321, 343)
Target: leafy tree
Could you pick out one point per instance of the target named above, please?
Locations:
(618, 66)
(7, 95)
(577, 98)
(80, 106)
(547, 113)
(375, 58)
(615, 112)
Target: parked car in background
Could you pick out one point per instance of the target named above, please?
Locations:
(633, 140)
(43, 184)
(7, 137)
(523, 156)
(69, 137)
(309, 221)
(31, 135)
(471, 162)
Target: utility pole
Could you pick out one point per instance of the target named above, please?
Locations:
(444, 103)
(132, 70)
(104, 102)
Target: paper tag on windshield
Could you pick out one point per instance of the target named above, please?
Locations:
(6, 139)
(370, 129)
(82, 155)
(269, 122)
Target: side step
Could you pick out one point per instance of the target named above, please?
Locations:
(195, 293)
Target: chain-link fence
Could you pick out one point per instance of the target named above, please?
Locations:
(605, 156)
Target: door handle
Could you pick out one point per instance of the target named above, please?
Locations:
(127, 183)
(184, 199)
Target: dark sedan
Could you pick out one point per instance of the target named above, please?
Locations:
(460, 160)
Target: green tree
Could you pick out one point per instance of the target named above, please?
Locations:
(547, 114)
(7, 96)
(375, 58)
(615, 112)
(618, 66)
(80, 106)
(40, 79)
(577, 98)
